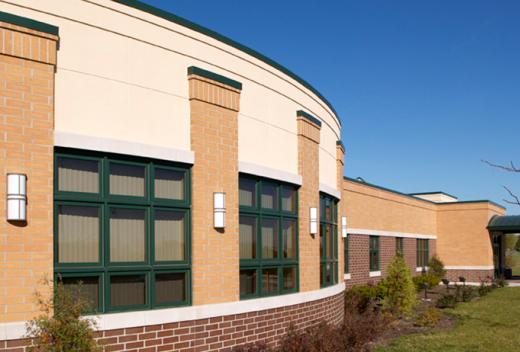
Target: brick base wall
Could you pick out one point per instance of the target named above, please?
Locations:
(359, 265)
(470, 275)
(217, 333)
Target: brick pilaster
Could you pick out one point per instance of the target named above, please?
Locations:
(214, 104)
(308, 196)
(27, 64)
(340, 155)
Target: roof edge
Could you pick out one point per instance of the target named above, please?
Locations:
(301, 113)
(421, 199)
(29, 23)
(435, 192)
(226, 40)
(194, 70)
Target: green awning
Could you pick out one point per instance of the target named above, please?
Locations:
(509, 223)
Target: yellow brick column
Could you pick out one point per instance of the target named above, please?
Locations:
(308, 196)
(27, 66)
(214, 104)
(340, 164)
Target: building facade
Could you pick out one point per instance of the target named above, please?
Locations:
(194, 186)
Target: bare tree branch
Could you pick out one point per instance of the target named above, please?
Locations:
(511, 168)
(514, 196)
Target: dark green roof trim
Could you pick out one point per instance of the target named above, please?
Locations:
(420, 199)
(192, 70)
(473, 201)
(309, 117)
(28, 23)
(504, 223)
(437, 192)
(191, 25)
(340, 143)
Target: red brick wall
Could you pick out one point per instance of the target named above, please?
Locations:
(215, 334)
(359, 265)
(470, 275)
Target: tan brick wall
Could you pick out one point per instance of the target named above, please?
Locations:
(340, 155)
(462, 237)
(308, 196)
(26, 146)
(214, 140)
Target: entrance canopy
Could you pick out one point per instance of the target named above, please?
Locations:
(505, 224)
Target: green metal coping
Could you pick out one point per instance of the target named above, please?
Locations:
(504, 223)
(193, 70)
(435, 192)
(206, 31)
(309, 117)
(421, 199)
(340, 143)
(28, 23)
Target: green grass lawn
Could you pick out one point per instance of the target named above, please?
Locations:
(489, 324)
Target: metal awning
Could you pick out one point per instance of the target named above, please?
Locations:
(507, 223)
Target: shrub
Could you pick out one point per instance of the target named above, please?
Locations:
(366, 295)
(64, 330)
(465, 293)
(400, 295)
(436, 267)
(253, 347)
(500, 281)
(446, 301)
(428, 278)
(428, 318)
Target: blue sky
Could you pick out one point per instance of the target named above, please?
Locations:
(424, 89)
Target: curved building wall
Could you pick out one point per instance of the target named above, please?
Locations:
(126, 56)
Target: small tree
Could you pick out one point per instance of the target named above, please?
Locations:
(60, 327)
(436, 267)
(400, 297)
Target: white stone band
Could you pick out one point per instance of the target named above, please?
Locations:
(330, 191)
(264, 171)
(469, 267)
(368, 232)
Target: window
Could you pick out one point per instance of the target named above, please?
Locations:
(423, 253)
(328, 241)
(374, 253)
(122, 228)
(268, 226)
(347, 269)
(399, 246)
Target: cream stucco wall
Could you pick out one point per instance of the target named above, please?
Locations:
(121, 74)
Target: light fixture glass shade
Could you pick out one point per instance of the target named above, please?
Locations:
(16, 197)
(313, 217)
(219, 210)
(344, 226)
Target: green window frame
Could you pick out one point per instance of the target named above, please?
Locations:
(375, 261)
(399, 246)
(328, 240)
(166, 282)
(266, 267)
(423, 252)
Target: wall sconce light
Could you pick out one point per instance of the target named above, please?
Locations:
(344, 226)
(16, 197)
(313, 217)
(219, 210)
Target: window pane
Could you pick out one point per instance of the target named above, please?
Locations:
(127, 235)
(322, 274)
(78, 234)
(127, 180)
(269, 238)
(127, 290)
(88, 289)
(289, 278)
(170, 288)
(270, 280)
(168, 184)
(247, 282)
(169, 235)
(247, 192)
(328, 240)
(289, 238)
(247, 237)
(288, 198)
(269, 196)
(328, 273)
(77, 175)
(322, 241)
